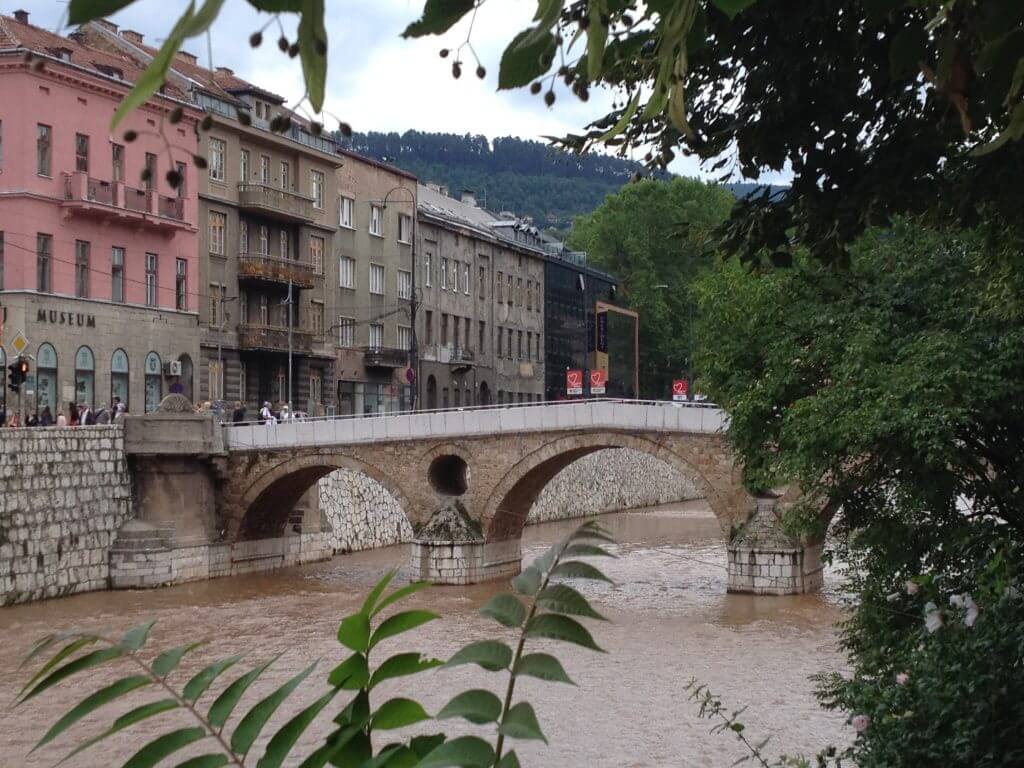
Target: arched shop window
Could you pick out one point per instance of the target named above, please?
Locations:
(46, 379)
(154, 382)
(85, 377)
(119, 377)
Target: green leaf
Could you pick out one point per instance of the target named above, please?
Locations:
(354, 632)
(168, 661)
(577, 569)
(399, 623)
(492, 655)
(509, 760)
(623, 121)
(126, 720)
(377, 591)
(282, 742)
(210, 760)
(477, 705)
(401, 594)
(313, 51)
(463, 752)
(505, 609)
(528, 582)
(522, 62)
(547, 15)
(82, 663)
(561, 598)
(398, 713)
(586, 550)
(224, 704)
(246, 732)
(597, 36)
(558, 627)
(424, 745)
(161, 747)
(438, 17)
(351, 674)
(520, 722)
(82, 11)
(401, 665)
(135, 637)
(195, 687)
(57, 658)
(543, 666)
(731, 7)
(91, 703)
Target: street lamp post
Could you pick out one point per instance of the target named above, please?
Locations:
(413, 346)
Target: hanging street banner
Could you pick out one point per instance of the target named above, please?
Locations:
(598, 380)
(574, 382)
(679, 389)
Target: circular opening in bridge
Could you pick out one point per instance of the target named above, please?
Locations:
(449, 475)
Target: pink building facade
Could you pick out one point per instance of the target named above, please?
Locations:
(99, 258)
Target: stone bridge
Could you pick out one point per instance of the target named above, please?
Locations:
(465, 478)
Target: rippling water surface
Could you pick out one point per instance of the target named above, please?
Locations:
(671, 620)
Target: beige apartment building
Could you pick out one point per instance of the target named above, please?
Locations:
(481, 320)
(267, 221)
(373, 256)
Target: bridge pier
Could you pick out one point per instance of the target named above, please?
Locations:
(764, 560)
(465, 562)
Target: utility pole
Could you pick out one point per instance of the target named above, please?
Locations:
(288, 303)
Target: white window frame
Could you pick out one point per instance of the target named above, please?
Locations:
(218, 234)
(346, 272)
(444, 273)
(377, 279)
(376, 330)
(284, 243)
(243, 166)
(346, 331)
(376, 220)
(426, 268)
(216, 153)
(404, 337)
(346, 212)
(264, 240)
(316, 188)
(465, 278)
(404, 228)
(243, 236)
(404, 284)
(152, 279)
(265, 170)
(286, 175)
(316, 254)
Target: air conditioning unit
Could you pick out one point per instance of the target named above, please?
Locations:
(172, 368)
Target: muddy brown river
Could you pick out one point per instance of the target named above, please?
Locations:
(671, 620)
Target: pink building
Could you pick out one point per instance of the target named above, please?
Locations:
(98, 250)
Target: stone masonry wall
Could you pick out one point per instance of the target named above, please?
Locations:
(365, 516)
(64, 492)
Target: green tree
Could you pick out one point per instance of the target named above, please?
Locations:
(656, 237)
(894, 394)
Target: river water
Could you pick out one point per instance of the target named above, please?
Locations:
(671, 620)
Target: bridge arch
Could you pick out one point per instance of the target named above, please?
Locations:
(505, 511)
(265, 505)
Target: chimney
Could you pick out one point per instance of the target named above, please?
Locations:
(108, 25)
(191, 58)
(131, 36)
(469, 198)
(21, 17)
(225, 71)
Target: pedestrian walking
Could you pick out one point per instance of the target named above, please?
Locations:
(46, 417)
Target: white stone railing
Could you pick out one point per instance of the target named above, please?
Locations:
(636, 415)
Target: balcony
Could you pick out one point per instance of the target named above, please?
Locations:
(462, 359)
(115, 202)
(274, 269)
(273, 338)
(276, 203)
(385, 357)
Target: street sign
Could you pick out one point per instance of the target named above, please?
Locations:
(574, 382)
(598, 379)
(679, 389)
(20, 343)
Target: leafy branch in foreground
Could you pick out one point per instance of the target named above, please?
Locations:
(550, 611)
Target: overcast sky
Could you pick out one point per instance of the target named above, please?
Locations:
(376, 79)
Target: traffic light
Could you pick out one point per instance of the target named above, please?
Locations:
(18, 372)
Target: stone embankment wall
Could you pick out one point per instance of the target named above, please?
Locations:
(63, 495)
(363, 515)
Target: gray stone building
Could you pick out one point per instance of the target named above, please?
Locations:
(481, 318)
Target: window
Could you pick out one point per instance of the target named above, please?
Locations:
(243, 167)
(264, 240)
(85, 376)
(455, 330)
(117, 161)
(215, 380)
(455, 275)
(345, 209)
(182, 174)
(81, 269)
(151, 274)
(317, 319)
(264, 310)
(519, 346)
(346, 272)
(536, 355)
(508, 285)
(404, 228)
(81, 152)
(316, 188)
(243, 310)
(376, 335)
(154, 382)
(500, 288)
(243, 395)
(426, 268)
(117, 274)
(316, 389)
(243, 236)
(218, 230)
(529, 294)
(1, 156)
(444, 273)
(483, 282)
(46, 377)
(404, 284)
(376, 220)
(286, 176)
(498, 344)
(44, 266)
(377, 279)
(316, 254)
(214, 305)
(444, 329)
(150, 171)
(508, 349)
(519, 291)
(1, 265)
(428, 325)
(283, 239)
(346, 331)
(465, 343)
(180, 284)
(264, 170)
(44, 149)
(404, 337)
(465, 278)
(216, 152)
